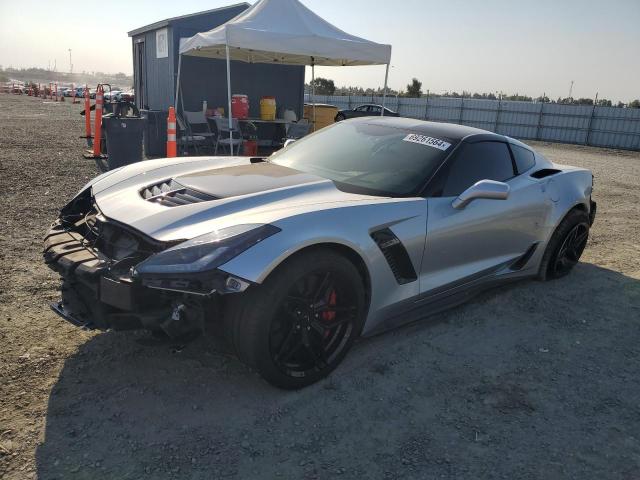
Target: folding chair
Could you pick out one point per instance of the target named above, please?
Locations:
(198, 125)
(298, 130)
(295, 132)
(222, 125)
(186, 139)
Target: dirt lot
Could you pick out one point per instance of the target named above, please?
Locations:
(539, 380)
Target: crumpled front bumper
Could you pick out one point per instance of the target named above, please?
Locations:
(92, 297)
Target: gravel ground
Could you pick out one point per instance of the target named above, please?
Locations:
(538, 380)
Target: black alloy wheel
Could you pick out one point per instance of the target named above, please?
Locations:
(297, 326)
(314, 324)
(570, 250)
(565, 245)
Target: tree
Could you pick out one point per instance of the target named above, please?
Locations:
(634, 104)
(324, 86)
(414, 89)
(603, 102)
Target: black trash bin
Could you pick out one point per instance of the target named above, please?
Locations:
(155, 132)
(124, 139)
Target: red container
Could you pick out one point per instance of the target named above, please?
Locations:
(240, 106)
(250, 148)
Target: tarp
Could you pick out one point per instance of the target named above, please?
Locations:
(285, 32)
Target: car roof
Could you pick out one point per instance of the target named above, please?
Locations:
(437, 129)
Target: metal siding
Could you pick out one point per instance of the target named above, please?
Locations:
(582, 124)
(159, 74)
(205, 79)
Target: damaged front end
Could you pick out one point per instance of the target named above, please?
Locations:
(114, 277)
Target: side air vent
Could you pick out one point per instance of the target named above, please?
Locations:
(396, 255)
(545, 172)
(521, 261)
(172, 194)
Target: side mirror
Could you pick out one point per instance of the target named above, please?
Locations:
(288, 142)
(489, 189)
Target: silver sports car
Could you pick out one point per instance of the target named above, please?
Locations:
(365, 225)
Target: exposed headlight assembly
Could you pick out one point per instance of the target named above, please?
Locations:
(191, 266)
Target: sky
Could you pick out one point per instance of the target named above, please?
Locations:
(511, 46)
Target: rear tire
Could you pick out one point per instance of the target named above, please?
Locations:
(565, 246)
(297, 326)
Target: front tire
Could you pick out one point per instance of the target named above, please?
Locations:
(565, 246)
(339, 117)
(297, 326)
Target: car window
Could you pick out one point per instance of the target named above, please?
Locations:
(370, 158)
(525, 159)
(475, 162)
(362, 108)
(375, 110)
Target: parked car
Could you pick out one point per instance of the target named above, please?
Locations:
(365, 225)
(368, 110)
(80, 92)
(128, 96)
(111, 95)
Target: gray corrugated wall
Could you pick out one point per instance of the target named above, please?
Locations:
(205, 79)
(159, 73)
(600, 126)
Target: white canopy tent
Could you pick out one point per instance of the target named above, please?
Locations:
(283, 32)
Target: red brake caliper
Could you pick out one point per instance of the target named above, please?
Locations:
(330, 315)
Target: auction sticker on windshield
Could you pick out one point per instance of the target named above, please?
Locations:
(429, 141)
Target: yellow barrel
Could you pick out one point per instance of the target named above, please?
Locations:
(325, 114)
(268, 108)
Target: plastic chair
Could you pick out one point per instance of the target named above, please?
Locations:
(222, 125)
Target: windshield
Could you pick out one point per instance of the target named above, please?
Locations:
(378, 159)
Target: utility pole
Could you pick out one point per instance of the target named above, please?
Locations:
(70, 64)
(571, 90)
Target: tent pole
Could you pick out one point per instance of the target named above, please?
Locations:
(313, 92)
(229, 98)
(178, 83)
(384, 92)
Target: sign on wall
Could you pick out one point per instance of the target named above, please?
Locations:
(162, 44)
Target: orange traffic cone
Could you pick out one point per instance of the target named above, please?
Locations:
(172, 146)
(87, 115)
(97, 137)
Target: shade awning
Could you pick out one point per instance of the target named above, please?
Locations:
(285, 32)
